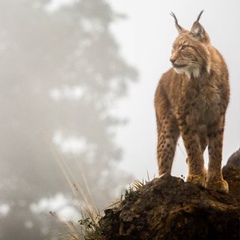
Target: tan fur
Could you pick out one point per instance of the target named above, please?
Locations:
(191, 99)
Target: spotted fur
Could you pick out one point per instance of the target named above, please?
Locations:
(191, 100)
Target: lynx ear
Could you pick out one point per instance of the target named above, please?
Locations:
(179, 28)
(198, 32)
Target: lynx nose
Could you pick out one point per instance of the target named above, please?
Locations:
(172, 60)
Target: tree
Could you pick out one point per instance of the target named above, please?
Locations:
(60, 72)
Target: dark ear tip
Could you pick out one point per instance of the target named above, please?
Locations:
(199, 16)
(174, 16)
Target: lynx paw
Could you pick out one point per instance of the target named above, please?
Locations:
(197, 179)
(220, 186)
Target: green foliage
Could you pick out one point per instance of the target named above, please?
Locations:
(91, 229)
(130, 194)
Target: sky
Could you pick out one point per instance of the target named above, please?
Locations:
(145, 40)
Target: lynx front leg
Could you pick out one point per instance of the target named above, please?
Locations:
(168, 134)
(194, 148)
(215, 179)
(202, 134)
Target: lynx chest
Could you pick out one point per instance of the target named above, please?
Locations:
(200, 104)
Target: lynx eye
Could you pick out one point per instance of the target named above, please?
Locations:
(183, 47)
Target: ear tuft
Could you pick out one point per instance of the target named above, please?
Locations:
(199, 16)
(179, 28)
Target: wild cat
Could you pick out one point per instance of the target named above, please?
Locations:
(191, 100)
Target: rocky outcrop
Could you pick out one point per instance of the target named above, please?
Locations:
(168, 208)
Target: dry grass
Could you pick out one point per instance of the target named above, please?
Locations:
(87, 228)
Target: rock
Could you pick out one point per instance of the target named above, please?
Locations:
(234, 160)
(231, 173)
(168, 208)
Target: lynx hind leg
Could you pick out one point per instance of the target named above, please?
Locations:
(168, 134)
(215, 179)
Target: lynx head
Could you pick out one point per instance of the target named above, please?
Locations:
(190, 53)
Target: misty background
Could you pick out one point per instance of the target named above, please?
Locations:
(77, 86)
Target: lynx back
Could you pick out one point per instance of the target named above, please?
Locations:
(191, 100)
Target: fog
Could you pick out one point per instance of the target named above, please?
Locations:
(77, 117)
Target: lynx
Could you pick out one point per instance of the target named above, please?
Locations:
(191, 100)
